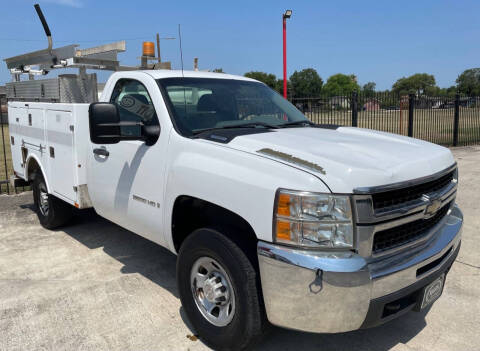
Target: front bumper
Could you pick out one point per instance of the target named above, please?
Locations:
(331, 292)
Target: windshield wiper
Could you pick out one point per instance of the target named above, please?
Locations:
(297, 123)
(246, 125)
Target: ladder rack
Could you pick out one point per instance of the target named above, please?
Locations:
(103, 57)
(66, 88)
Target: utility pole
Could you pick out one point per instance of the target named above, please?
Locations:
(158, 48)
(159, 58)
(286, 15)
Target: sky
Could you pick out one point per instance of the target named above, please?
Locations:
(378, 41)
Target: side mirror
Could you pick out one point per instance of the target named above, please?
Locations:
(105, 126)
(104, 123)
(150, 134)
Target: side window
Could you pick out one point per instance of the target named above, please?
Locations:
(134, 105)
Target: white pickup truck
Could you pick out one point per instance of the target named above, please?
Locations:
(311, 227)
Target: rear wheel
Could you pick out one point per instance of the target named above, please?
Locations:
(51, 211)
(219, 290)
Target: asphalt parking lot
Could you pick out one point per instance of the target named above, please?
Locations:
(96, 286)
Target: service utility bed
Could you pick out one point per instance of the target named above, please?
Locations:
(57, 136)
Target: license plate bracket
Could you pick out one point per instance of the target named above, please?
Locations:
(432, 292)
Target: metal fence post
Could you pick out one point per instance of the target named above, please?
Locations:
(4, 147)
(354, 109)
(456, 119)
(411, 102)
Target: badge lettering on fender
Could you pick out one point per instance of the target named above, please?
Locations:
(145, 201)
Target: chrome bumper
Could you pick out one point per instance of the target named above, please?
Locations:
(330, 292)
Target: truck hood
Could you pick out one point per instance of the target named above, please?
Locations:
(347, 158)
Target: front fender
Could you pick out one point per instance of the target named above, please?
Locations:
(238, 181)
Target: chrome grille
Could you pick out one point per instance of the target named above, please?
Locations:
(388, 200)
(406, 233)
(395, 216)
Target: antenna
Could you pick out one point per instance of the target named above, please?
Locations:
(183, 76)
(181, 51)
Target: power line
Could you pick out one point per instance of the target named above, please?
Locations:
(77, 41)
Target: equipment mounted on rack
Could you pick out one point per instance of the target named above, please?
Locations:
(66, 88)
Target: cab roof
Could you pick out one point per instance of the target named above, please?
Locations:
(163, 73)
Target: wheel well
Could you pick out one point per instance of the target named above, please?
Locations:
(191, 213)
(32, 168)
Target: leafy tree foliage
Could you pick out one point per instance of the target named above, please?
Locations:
(267, 78)
(341, 84)
(306, 83)
(419, 83)
(218, 70)
(451, 91)
(279, 87)
(469, 82)
(369, 89)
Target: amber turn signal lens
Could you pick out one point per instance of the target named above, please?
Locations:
(283, 230)
(283, 208)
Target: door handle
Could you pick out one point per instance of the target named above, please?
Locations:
(101, 152)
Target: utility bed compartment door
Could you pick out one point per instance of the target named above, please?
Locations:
(16, 117)
(60, 152)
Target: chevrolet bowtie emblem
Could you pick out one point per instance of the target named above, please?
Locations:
(432, 208)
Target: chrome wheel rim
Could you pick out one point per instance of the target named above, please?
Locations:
(43, 204)
(212, 291)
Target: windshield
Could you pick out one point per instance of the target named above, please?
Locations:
(199, 104)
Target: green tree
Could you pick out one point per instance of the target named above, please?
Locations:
(469, 82)
(341, 84)
(218, 70)
(451, 91)
(279, 87)
(419, 83)
(267, 78)
(369, 89)
(306, 83)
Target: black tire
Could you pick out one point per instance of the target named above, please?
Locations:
(249, 321)
(58, 213)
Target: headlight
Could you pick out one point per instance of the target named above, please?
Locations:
(313, 219)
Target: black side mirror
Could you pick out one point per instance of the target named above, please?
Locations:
(104, 123)
(105, 126)
(150, 134)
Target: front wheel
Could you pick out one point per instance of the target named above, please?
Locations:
(219, 290)
(51, 211)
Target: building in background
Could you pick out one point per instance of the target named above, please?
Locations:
(340, 102)
(371, 105)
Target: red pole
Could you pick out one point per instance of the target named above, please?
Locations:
(284, 57)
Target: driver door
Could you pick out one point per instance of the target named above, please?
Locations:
(126, 179)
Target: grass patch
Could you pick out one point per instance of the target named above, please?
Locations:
(431, 125)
